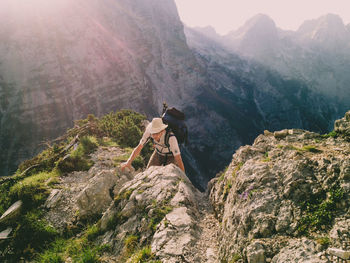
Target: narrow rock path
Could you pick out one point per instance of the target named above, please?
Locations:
(206, 248)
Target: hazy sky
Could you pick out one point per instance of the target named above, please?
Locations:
(226, 15)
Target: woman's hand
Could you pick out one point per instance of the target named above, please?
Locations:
(125, 165)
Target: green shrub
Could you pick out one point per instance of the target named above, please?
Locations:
(235, 257)
(74, 163)
(88, 144)
(50, 257)
(323, 241)
(123, 126)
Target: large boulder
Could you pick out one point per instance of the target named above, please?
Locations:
(96, 197)
(158, 206)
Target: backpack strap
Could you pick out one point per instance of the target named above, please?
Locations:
(168, 134)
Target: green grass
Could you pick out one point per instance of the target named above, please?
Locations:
(227, 188)
(221, 174)
(143, 255)
(332, 134)
(160, 210)
(305, 148)
(310, 148)
(79, 159)
(323, 241)
(33, 190)
(93, 232)
(235, 258)
(319, 211)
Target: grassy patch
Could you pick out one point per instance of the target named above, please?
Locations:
(33, 190)
(323, 241)
(332, 134)
(31, 234)
(125, 195)
(159, 212)
(310, 148)
(320, 211)
(227, 188)
(221, 174)
(93, 232)
(235, 258)
(79, 159)
(143, 255)
(305, 148)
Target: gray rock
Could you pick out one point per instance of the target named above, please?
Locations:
(96, 196)
(5, 234)
(53, 198)
(175, 234)
(343, 254)
(12, 212)
(299, 250)
(256, 253)
(261, 192)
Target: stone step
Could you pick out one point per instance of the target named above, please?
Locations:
(5, 234)
(343, 254)
(12, 212)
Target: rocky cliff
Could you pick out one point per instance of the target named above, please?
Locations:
(283, 199)
(286, 197)
(101, 57)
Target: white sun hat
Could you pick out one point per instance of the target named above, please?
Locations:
(157, 125)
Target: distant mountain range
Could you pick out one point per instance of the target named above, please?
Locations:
(317, 53)
(104, 56)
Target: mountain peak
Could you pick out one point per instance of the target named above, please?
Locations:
(259, 32)
(329, 28)
(257, 23)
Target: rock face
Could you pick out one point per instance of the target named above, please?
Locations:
(273, 191)
(102, 57)
(160, 195)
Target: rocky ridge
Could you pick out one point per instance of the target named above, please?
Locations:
(286, 197)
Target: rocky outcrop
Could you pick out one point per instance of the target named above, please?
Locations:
(158, 206)
(286, 184)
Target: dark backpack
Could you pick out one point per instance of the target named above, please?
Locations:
(175, 120)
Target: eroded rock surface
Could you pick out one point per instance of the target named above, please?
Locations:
(270, 188)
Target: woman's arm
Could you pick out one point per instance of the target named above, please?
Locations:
(133, 155)
(178, 162)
